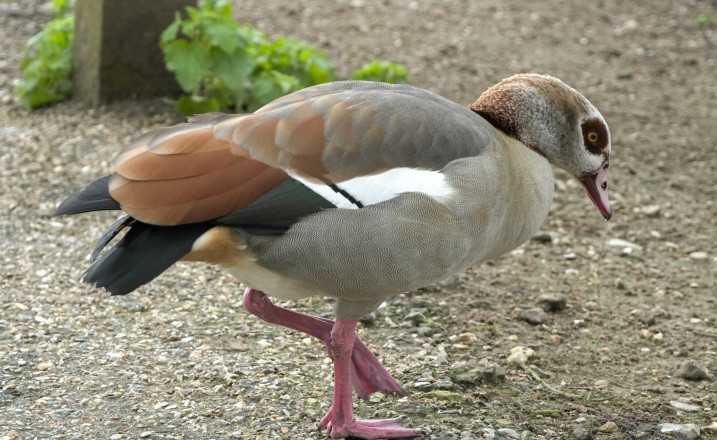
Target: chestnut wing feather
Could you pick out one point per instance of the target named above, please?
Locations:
(183, 174)
(217, 164)
(337, 131)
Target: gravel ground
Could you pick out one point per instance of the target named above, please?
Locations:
(622, 313)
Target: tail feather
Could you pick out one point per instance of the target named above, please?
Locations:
(110, 233)
(141, 255)
(96, 197)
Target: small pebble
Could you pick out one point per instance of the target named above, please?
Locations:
(544, 237)
(424, 331)
(646, 317)
(580, 408)
(651, 210)
(625, 247)
(686, 407)
(592, 305)
(488, 433)
(582, 433)
(552, 302)
(534, 315)
(699, 256)
(476, 375)
(507, 433)
(602, 383)
(608, 427)
(415, 317)
(468, 337)
(691, 370)
(480, 304)
(687, 431)
(44, 366)
(520, 355)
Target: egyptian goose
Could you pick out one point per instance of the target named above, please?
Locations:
(352, 190)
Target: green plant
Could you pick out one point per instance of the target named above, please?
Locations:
(283, 66)
(220, 64)
(704, 19)
(210, 60)
(382, 71)
(485, 327)
(46, 74)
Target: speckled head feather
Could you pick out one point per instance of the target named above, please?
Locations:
(549, 117)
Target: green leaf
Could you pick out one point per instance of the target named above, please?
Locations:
(189, 60)
(382, 71)
(270, 86)
(170, 33)
(224, 35)
(253, 36)
(321, 69)
(194, 105)
(233, 69)
(46, 71)
(223, 64)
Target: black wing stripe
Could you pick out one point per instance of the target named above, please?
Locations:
(275, 212)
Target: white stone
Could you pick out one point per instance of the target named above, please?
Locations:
(625, 247)
(520, 355)
(685, 406)
(699, 256)
(687, 431)
(507, 432)
(651, 210)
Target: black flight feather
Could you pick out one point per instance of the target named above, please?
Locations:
(146, 251)
(142, 254)
(96, 197)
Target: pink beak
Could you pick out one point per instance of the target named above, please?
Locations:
(596, 185)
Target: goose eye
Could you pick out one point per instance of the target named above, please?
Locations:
(592, 137)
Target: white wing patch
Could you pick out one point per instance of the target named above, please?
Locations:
(369, 190)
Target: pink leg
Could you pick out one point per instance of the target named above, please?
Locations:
(340, 420)
(367, 373)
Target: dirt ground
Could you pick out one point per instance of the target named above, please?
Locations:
(181, 359)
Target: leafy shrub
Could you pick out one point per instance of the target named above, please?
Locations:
(282, 67)
(220, 64)
(46, 74)
(383, 71)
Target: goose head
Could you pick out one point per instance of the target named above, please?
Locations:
(557, 122)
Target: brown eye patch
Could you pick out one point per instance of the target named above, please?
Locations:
(595, 135)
